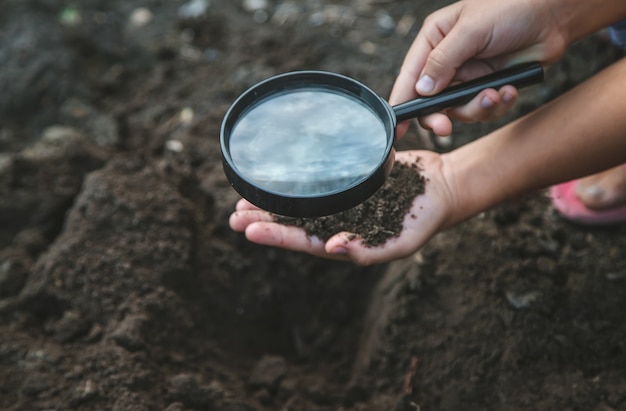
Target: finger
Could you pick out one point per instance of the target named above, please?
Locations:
(244, 204)
(438, 123)
(240, 220)
(444, 60)
(475, 68)
(404, 86)
(480, 108)
(508, 97)
(429, 36)
(260, 228)
(402, 128)
(487, 105)
(537, 52)
(350, 246)
(288, 237)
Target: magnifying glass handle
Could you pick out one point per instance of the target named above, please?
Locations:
(519, 76)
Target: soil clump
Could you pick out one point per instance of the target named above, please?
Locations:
(377, 219)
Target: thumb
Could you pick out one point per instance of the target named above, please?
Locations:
(444, 60)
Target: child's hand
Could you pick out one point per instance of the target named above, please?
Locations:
(469, 39)
(430, 210)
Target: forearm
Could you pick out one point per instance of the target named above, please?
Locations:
(579, 18)
(580, 133)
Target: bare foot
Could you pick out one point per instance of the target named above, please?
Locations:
(603, 190)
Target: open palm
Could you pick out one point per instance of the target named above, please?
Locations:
(431, 210)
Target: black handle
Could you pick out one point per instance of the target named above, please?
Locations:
(519, 76)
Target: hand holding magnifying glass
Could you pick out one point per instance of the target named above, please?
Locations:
(312, 143)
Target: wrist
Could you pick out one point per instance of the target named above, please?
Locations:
(579, 18)
(489, 171)
(472, 185)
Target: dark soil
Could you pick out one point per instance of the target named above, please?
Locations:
(123, 288)
(377, 219)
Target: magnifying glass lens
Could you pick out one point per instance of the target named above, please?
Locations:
(307, 142)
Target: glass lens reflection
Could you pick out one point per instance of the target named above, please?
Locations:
(307, 142)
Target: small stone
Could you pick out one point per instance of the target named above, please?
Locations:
(333, 14)
(128, 332)
(188, 389)
(254, 5)
(130, 401)
(85, 391)
(211, 54)
(175, 406)
(54, 140)
(521, 300)
(70, 17)
(141, 17)
(406, 404)
(286, 13)
(341, 15)
(618, 276)
(186, 116)
(95, 333)
(368, 48)
(190, 53)
(405, 25)
(268, 372)
(385, 22)
(59, 134)
(193, 9)
(70, 326)
(260, 16)
(36, 358)
(174, 146)
(317, 19)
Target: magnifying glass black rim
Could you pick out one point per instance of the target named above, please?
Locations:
(319, 204)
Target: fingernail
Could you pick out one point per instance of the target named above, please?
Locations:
(339, 250)
(594, 191)
(507, 98)
(487, 103)
(425, 85)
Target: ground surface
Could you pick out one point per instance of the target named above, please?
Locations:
(121, 286)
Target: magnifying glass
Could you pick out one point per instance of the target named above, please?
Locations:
(314, 143)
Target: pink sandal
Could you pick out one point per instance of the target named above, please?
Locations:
(567, 203)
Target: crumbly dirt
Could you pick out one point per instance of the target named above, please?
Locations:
(123, 288)
(377, 219)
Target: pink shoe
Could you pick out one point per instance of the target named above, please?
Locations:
(567, 203)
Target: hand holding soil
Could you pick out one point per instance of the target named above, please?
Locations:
(393, 223)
